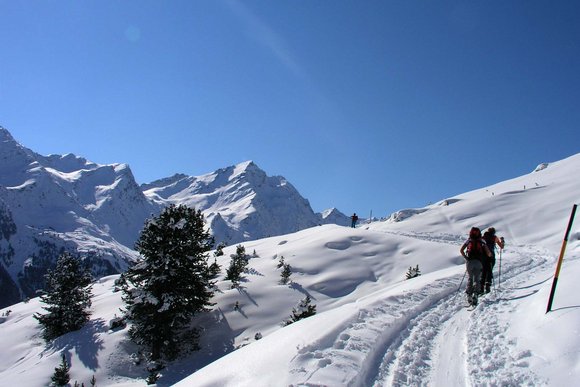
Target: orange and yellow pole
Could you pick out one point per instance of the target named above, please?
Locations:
(561, 258)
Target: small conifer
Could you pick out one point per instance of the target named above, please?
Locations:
(413, 272)
(61, 376)
(67, 296)
(286, 273)
(304, 310)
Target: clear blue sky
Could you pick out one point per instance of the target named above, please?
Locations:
(361, 105)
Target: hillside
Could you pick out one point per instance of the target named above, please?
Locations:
(373, 327)
(49, 204)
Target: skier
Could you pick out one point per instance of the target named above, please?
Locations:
(473, 250)
(488, 263)
(354, 219)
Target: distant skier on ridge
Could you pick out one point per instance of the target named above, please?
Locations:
(474, 250)
(354, 219)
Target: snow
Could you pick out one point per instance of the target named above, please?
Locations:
(372, 327)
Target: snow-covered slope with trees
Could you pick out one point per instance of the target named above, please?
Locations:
(51, 203)
(372, 326)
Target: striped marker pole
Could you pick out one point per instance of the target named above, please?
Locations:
(561, 258)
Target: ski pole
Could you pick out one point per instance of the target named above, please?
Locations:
(461, 283)
(499, 275)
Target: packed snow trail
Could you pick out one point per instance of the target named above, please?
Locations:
(406, 339)
(449, 358)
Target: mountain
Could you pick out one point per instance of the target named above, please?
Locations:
(239, 202)
(334, 216)
(49, 204)
(56, 203)
(372, 326)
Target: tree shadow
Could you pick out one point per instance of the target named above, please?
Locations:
(519, 297)
(86, 343)
(566, 307)
(253, 271)
(215, 342)
(299, 288)
(243, 291)
(536, 284)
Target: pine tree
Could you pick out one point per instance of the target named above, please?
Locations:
(280, 262)
(171, 284)
(238, 264)
(304, 310)
(286, 273)
(61, 376)
(214, 269)
(67, 296)
(219, 250)
(413, 272)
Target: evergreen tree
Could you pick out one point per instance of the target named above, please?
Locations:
(61, 376)
(67, 296)
(171, 284)
(280, 262)
(286, 273)
(214, 269)
(238, 264)
(304, 310)
(219, 250)
(413, 272)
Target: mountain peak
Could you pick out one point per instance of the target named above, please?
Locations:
(246, 166)
(5, 135)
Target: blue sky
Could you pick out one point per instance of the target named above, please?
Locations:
(361, 105)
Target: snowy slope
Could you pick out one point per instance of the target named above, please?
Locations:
(372, 327)
(54, 203)
(417, 332)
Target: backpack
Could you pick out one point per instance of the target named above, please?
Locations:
(489, 239)
(475, 249)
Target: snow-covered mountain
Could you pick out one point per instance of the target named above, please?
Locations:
(334, 216)
(372, 327)
(54, 203)
(239, 202)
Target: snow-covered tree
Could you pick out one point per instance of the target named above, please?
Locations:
(280, 262)
(304, 309)
(171, 284)
(238, 264)
(286, 273)
(413, 272)
(67, 296)
(219, 250)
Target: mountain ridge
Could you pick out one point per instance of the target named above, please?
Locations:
(66, 202)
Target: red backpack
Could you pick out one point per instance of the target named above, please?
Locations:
(475, 249)
(475, 244)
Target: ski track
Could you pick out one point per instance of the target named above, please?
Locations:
(402, 340)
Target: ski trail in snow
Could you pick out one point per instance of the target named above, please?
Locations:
(448, 335)
(353, 355)
(406, 339)
(449, 365)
